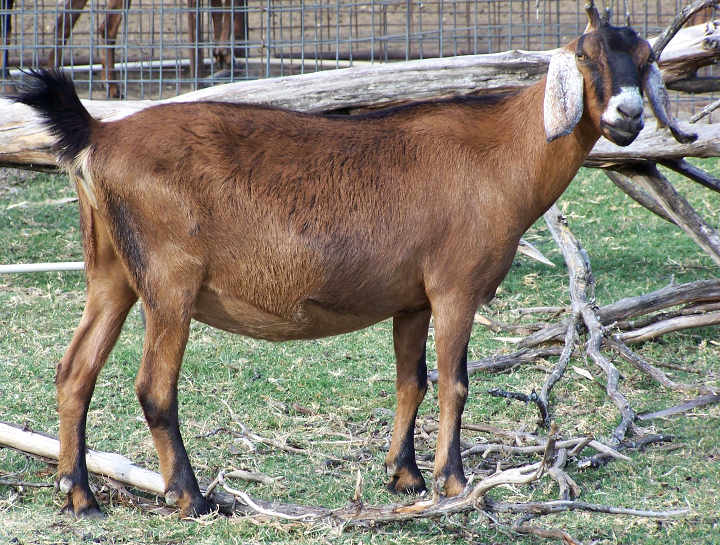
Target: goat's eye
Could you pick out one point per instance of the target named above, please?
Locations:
(581, 56)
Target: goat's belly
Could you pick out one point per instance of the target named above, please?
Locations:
(309, 320)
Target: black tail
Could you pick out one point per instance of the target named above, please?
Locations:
(52, 94)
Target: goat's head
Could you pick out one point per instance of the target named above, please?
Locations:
(605, 72)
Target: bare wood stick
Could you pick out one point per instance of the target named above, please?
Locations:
(552, 333)
(669, 296)
(640, 363)
(683, 214)
(540, 310)
(577, 449)
(531, 398)
(673, 324)
(503, 362)
(571, 338)
(247, 500)
(497, 326)
(707, 110)
(639, 443)
(249, 476)
(583, 297)
(682, 408)
(691, 310)
(355, 514)
(628, 307)
(493, 430)
(485, 449)
(560, 506)
(521, 526)
(526, 248)
(613, 376)
(488, 448)
(568, 489)
(680, 19)
(608, 451)
(655, 145)
(694, 173)
(695, 85)
(637, 194)
(42, 267)
(111, 465)
(25, 484)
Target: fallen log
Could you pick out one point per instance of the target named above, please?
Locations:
(111, 465)
(24, 143)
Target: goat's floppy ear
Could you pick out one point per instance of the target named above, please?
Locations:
(563, 105)
(659, 102)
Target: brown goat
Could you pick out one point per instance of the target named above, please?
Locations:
(107, 32)
(282, 225)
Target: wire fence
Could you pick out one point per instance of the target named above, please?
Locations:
(161, 48)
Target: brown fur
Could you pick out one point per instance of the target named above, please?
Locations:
(282, 225)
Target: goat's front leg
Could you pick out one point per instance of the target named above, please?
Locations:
(156, 386)
(453, 322)
(109, 300)
(409, 337)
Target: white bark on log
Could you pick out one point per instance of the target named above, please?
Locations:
(42, 267)
(109, 464)
(25, 143)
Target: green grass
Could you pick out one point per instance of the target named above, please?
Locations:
(347, 383)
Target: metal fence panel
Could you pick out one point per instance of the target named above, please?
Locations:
(166, 47)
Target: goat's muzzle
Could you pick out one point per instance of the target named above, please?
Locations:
(624, 132)
(623, 118)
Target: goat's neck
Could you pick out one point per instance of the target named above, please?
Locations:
(539, 171)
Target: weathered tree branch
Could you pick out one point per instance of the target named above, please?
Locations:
(637, 194)
(694, 173)
(582, 295)
(25, 143)
(680, 19)
(503, 362)
(648, 177)
(701, 401)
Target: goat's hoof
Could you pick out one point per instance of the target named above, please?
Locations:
(198, 507)
(191, 504)
(449, 485)
(406, 482)
(89, 511)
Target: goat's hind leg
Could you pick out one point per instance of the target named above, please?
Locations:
(107, 33)
(166, 334)
(409, 337)
(108, 302)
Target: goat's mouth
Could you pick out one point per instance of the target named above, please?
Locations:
(621, 134)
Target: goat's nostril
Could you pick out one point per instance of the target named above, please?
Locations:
(630, 111)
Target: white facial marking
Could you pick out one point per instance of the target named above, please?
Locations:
(628, 99)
